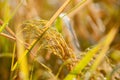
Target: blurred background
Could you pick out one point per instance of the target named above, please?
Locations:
(91, 22)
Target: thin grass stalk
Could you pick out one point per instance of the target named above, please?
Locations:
(49, 23)
(77, 6)
(47, 68)
(12, 63)
(61, 67)
(7, 36)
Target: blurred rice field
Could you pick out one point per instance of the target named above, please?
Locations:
(59, 39)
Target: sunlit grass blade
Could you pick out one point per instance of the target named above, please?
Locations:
(89, 55)
(78, 5)
(82, 63)
(106, 44)
(23, 66)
